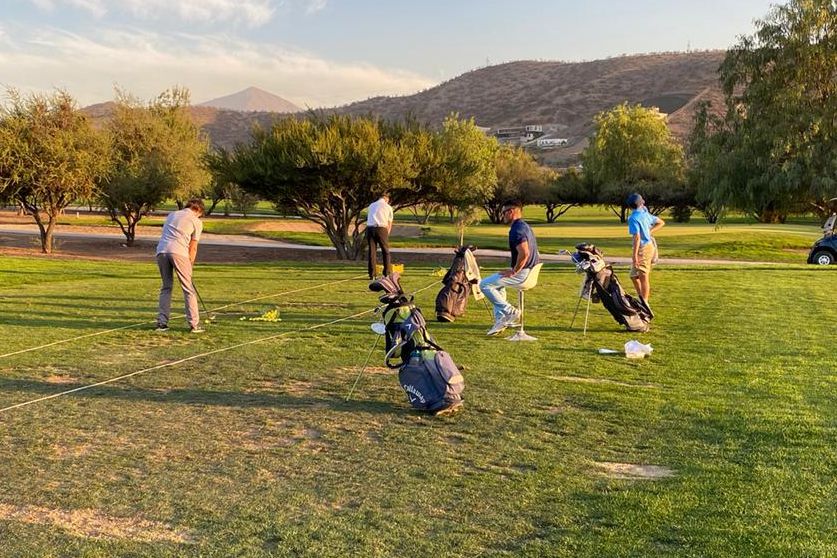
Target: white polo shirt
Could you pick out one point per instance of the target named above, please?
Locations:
(180, 228)
(380, 214)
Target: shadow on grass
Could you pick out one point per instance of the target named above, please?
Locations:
(199, 397)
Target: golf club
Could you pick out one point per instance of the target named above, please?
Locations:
(366, 362)
(208, 317)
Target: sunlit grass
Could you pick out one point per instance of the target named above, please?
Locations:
(255, 452)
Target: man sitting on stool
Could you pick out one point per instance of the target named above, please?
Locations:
(524, 256)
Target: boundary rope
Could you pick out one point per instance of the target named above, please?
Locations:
(201, 355)
(104, 332)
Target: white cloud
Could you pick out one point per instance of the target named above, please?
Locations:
(249, 12)
(314, 6)
(145, 63)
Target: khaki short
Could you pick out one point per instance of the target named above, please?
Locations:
(646, 255)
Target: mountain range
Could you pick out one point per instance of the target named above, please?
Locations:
(561, 96)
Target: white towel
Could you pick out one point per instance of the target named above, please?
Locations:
(472, 273)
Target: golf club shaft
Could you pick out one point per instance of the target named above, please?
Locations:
(200, 298)
(363, 368)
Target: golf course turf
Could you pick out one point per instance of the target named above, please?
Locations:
(721, 443)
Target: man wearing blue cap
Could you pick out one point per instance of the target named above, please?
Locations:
(642, 225)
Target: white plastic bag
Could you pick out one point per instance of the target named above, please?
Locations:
(635, 349)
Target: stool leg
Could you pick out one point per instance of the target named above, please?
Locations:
(520, 297)
(521, 335)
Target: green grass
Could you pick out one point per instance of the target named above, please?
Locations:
(254, 452)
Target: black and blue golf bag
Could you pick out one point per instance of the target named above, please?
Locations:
(426, 372)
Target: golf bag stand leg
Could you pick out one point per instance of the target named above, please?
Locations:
(587, 314)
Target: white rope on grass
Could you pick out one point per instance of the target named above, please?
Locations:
(181, 361)
(194, 357)
(105, 332)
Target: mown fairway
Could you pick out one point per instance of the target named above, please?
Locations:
(254, 452)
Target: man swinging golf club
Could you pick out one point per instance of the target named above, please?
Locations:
(176, 254)
(524, 256)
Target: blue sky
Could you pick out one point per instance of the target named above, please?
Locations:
(328, 52)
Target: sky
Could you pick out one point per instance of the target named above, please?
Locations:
(319, 53)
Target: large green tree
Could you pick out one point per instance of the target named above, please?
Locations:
(631, 150)
(329, 169)
(50, 157)
(455, 168)
(156, 153)
(519, 177)
(777, 146)
(561, 192)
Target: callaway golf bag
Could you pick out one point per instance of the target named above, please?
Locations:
(453, 298)
(427, 373)
(603, 286)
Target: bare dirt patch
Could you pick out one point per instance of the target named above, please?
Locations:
(96, 525)
(633, 471)
(286, 226)
(59, 379)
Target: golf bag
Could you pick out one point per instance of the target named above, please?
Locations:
(603, 286)
(427, 373)
(453, 298)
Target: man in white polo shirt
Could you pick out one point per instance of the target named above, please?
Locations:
(378, 227)
(176, 254)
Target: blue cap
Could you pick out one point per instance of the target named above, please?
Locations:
(634, 201)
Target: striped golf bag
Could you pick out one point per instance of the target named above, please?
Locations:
(427, 373)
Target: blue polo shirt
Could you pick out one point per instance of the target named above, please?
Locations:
(520, 231)
(640, 222)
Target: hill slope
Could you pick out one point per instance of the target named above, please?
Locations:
(567, 94)
(564, 96)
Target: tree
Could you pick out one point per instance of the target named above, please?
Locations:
(328, 168)
(631, 150)
(704, 174)
(519, 177)
(779, 135)
(156, 153)
(50, 157)
(562, 192)
(455, 168)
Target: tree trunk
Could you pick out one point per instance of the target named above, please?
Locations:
(771, 216)
(494, 212)
(212, 206)
(131, 232)
(47, 234)
(550, 213)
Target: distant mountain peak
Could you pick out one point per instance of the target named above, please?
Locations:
(253, 99)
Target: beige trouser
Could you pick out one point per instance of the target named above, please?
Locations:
(171, 264)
